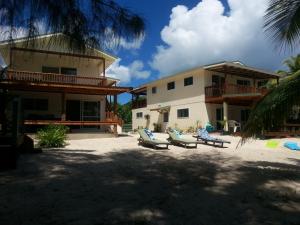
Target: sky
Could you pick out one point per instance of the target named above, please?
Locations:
(184, 34)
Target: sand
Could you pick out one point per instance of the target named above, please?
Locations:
(115, 181)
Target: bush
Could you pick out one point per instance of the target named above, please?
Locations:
(52, 136)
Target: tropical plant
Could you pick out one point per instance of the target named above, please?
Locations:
(84, 22)
(272, 110)
(293, 65)
(52, 136)
(282, 21)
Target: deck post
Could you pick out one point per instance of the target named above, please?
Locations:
(116, 130)
(115, 104)
(225, 117)
(63, 106)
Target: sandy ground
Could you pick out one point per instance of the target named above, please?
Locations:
(115, 181)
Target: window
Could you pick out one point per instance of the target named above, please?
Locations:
(48, 69)
(166, 117)
(243, 82)
(182, 113)
(262, 83)
(35, 104)
(217, 81)
(154, 90)
(139, 115)
(68, 71)
(171, 85)
(188, 81)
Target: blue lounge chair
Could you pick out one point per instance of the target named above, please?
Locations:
(203, 135)
(147, 138)
(292, 145)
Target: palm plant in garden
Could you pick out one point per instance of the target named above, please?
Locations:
(282, 22)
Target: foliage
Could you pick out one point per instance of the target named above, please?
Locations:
(85, 23)
(52, 136)
(124, 112)
(271, 111)
(293, 65)
(282, 21)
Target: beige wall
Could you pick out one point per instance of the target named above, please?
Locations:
(34, 62)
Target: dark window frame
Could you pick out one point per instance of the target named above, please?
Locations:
(243, 82)
(139, 115)
(183, 113)
(171, 85)
(154, 90)
(68, 71)
(188, 81)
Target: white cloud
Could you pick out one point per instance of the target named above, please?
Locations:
(126, 73)
(204, 35)
(114, 42)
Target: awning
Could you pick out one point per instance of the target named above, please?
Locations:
(162, 109)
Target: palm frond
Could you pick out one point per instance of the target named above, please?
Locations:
(272, 110)
(84, 22)
(282, 21)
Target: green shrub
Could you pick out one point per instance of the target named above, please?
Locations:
(52, 136)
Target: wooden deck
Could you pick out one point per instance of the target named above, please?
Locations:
(233, 94)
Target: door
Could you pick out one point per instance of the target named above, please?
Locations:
(219, 117)
(90, 111)
(73, 111)
(218, 84)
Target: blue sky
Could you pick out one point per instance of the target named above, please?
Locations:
(156, 14)
(189, 33)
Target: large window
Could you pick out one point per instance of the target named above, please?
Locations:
(262, 83)
(171, 85)
(154, 90)
(188, 81)
(35, 104)
(49, 69)
(68, 71)
(243, 82)
(139, 115)
(182, 113)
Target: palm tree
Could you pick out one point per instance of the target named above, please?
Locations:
(282, 21)
(84, 22)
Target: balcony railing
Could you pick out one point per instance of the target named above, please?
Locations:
(38, 77)
(139, 104)
(232, 89)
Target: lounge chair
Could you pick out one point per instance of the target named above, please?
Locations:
(147, 138)
(176, 139)
(206, 138)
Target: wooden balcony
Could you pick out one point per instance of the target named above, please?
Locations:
(50, 82)
(235, 94)
(137, 104)
(39, 77)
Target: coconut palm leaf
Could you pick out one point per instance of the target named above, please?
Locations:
(84, 22)
(282, 21)
(272, 110)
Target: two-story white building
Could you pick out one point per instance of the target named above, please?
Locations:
(217, 92)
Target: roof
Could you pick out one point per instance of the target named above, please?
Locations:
(241, 70)
(23, 39)
(234, 68)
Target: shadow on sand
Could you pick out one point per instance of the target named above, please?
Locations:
(147, 187)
